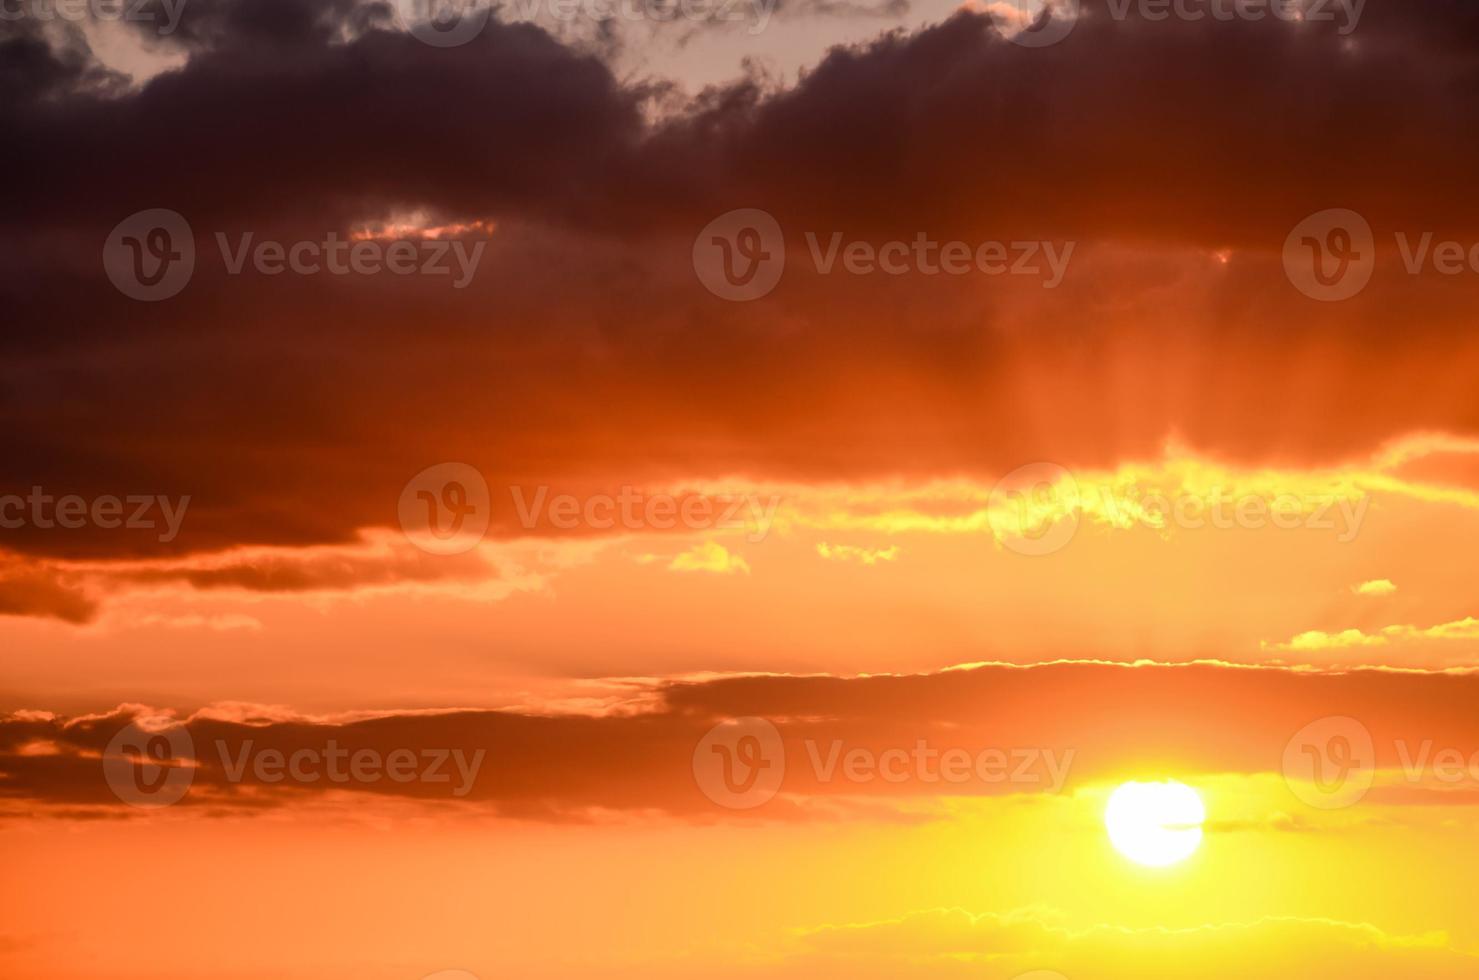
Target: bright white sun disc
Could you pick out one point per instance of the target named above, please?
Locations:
(1155, 824)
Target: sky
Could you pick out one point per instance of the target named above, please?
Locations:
(738, 489)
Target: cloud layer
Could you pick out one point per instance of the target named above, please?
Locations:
(1049, 728)
(586, 349)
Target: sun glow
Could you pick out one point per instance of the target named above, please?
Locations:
(1155, 824)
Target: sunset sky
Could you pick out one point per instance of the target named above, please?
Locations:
(803, 489)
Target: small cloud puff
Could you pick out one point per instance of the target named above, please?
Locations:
(849, 552)
(709, 557)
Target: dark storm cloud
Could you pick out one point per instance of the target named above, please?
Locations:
(1205, 131)
(278, 125)
(294, 408)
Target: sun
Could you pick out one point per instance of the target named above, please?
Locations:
(1155, 824)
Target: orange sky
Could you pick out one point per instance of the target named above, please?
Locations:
(575, 621)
